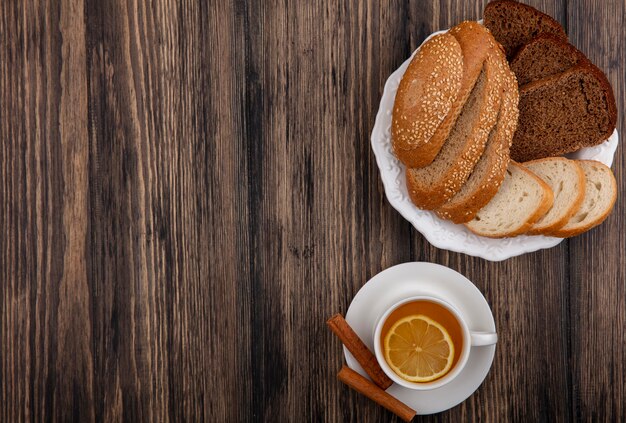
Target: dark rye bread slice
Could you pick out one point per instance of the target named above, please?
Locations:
(544, 56)
(475, 42)
(514, 24)
(563, 113)
(488, 174)
(431, 186)
(426, 94)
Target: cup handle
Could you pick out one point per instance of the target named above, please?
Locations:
(480, 339)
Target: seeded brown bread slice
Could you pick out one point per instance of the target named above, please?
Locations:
(431, 186)
(488, 174)
(544, 56)
(475, 41)
(567, 181)
(514, 24)
(426, 94)
(523, 198)
(599, 198)
(563, 113)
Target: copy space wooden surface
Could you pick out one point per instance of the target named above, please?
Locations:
(187, 193)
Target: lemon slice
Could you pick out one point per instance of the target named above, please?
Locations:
(419, 349)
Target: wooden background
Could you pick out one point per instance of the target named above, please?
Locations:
(187, 193)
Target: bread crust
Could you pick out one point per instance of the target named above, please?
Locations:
(427, 92)
(575, 204)
(567, 233)
(465, 211)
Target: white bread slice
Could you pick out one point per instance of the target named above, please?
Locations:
(567, 181)
(523, 198)
(600, 195)
(488, 174)
(426, 93)
(431, 186)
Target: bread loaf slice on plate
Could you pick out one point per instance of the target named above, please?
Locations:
(567, 181)
(523, 199)
(544, 56)
(488, 174)
(514, 24)
(599, 198)
(426, 93)
(563, 113)
(475, 42)
(431, 186)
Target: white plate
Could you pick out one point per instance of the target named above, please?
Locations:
(411, 279)
(444, 234)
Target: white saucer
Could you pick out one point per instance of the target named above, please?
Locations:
(419, 278)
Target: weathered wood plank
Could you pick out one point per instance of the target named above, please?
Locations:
(322, 226)
(47, 366)
(598, 268)
(170, 252)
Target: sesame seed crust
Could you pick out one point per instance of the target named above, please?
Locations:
(431, 186)
(484, 182)
(426, 93)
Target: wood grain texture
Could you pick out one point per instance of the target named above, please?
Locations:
(187, 193)
(598, 267)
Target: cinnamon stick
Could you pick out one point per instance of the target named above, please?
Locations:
(359, 350)
(373, 392)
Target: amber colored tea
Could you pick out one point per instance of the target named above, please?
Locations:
(435, 312)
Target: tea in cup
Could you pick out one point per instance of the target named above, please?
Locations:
(424, 342)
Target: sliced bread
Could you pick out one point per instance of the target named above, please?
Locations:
(544, 56)
(599, 198)
(426, 94)
(567, 181)
(563, 113)
(523, 199)
(475, 41)
(488, 174)
(431, 186)
(514, 24)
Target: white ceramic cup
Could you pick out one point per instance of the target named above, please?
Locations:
(470, 339)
